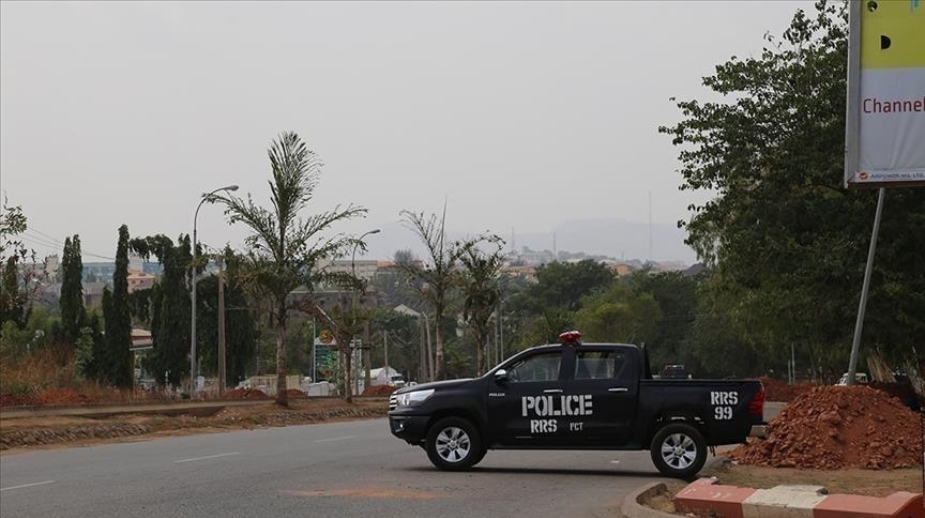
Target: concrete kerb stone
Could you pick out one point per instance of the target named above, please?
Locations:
(706, 498)
(784, 501)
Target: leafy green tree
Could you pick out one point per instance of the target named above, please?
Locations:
(540, 311)
(721, 345)
(168, 307)
(404, 342)
(619, 315)
(676, 295)
(780, 231)
(563, 285)
(17, 288)
(90, 346)
(117, 361)
(285, 251)
(73, 312)
(482, 292)
(435, 278)
(541, 328)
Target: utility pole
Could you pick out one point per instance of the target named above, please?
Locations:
(192, 357)
(221, 328)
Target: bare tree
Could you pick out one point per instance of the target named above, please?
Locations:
(437, 275)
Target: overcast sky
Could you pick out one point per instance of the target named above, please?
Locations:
(521, 115)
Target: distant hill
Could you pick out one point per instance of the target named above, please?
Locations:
(622, 240)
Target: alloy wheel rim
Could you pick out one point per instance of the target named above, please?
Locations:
(453, 444)
(679, 451)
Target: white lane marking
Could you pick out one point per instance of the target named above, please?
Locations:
(28, 485)
(208, 457)
(336, 438)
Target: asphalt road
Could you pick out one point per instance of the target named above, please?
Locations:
(324, 470)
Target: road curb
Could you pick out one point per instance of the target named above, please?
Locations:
(631, 507)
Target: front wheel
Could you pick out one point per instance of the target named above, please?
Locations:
(679, 450)
(453, 444)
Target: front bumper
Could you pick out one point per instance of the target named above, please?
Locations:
(410, 428)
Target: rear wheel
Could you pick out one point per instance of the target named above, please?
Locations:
(453, 444)
(679, 450)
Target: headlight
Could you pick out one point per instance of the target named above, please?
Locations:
(413, 398)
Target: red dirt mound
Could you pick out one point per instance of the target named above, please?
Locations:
(378, 390)
(8, 400)
(62, 396)
(48, 397)
(240, 393)
(295, 393)
(778, 390)
(834, 427)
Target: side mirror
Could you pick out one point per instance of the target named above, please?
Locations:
(501, 376)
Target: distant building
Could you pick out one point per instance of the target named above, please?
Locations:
(103, 271)
(619, 269)
(526, 272)
(365, 269)
(138, 281)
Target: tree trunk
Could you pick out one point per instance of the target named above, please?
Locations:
(430, 352)
(348, 373)
(479, 337)
(438, 361)
(282, 396)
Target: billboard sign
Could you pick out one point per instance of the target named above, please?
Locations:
(885, 133)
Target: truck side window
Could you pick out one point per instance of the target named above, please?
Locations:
(598, 365)
(540, 367)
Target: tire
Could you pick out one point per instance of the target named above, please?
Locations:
(679, 450)
(453, 444)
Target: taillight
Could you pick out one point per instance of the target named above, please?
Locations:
(756, 405)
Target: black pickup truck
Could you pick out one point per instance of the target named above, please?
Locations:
(593, 396)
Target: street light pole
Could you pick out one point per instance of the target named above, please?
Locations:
(353, 272)
(192, 357)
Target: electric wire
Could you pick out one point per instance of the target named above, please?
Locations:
(53, 242)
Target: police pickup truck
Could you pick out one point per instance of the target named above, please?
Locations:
(593, 396)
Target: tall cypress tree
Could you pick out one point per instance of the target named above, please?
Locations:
(170, 308)
(73, 313)
(117, 312)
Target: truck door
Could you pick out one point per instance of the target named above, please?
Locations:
(604, 381)
(522, 407)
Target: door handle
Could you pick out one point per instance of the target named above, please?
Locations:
(618, 389)
(552, 391)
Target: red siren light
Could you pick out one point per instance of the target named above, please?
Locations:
(570, 337)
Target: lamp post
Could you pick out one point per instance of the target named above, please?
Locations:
(353, 272)
(192, 357)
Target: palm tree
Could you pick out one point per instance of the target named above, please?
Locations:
(284, 251)
(482, 291)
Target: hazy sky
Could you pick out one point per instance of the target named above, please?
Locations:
(521, 115)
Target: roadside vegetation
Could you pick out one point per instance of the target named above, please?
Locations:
(783, 248)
